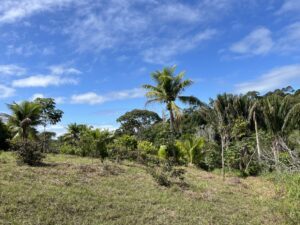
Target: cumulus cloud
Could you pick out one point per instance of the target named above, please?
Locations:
(6, 92)
(276, 78)
(258, 42)
(88, 98)
(93, 98)
(12, 70)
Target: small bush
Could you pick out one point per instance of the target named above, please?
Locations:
(147, 147)
(162, 152)
(28, 152)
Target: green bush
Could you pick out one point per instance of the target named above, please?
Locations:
(126, 141)
(162, 152)
(28, 152)
(147, 147)
(70, 149)
(191, 149)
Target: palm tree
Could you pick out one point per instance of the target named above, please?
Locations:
(25, 116)
(168, 88)
(74, 131)
(219, 113)
(281, 116)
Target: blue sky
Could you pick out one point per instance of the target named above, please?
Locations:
(92, 56)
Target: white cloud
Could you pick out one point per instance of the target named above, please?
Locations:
(43, 81)
(88, 98)
(12, 11)
(289, 40)
(258, 42)
(163, 54)
(178, 12)
(276, 78)
(58, 76)
(61, 69)
(28, 49)
(93, 98)
(6, 92)
(289, 6)
(12, 70)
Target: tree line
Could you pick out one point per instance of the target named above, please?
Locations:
(248, 133)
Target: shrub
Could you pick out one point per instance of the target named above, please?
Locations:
(70, 149)
(28, 152)
(147, 147)
(126, 141)
(162, 152)
(191, 149)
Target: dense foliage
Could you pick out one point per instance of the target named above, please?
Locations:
(249, 133)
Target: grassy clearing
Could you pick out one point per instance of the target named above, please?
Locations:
(74, 190)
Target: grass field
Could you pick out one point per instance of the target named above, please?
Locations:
(73, 190)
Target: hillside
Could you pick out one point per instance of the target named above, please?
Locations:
(74, 190)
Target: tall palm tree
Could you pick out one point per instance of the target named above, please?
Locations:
(25, 116)
(281, 115)
(168, 88)
(219, 113)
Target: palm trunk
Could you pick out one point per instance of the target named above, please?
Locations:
(171, 119)
(257, 138)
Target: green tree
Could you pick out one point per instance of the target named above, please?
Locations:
(49, 114)
(137, 120)
(74, 131)
(168, 88)
(24, 118)
(4, 136)
(281, 114)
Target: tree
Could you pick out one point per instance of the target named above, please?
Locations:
(25, 117)
(49, 114)
(281, 114)
(4, 135)
(219, 113)
(168, 88)
(74, 131)
(22, 122)
(135, 121)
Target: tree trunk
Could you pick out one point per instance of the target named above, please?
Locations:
(171, 118)
(222, 155)
(257, 138)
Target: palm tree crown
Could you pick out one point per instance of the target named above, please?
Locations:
(168, 88)
(25, 116)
